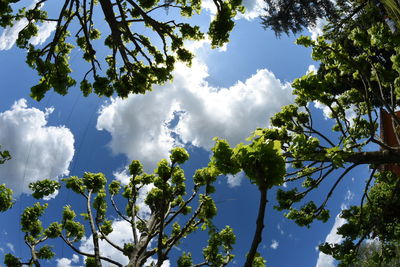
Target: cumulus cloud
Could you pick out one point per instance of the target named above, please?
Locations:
(274, 244)
(10, 34)
(191, 111)
(139, 126)
(65, 262)
(38, 151)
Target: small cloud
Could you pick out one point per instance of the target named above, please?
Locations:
(325, 109)
(317, 29)
(278, 226)
(274, 244)
(235, 180)
(312, 68)
(349, 195)
(11, 247)
(47, 198)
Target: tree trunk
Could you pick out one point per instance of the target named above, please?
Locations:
(259, 228)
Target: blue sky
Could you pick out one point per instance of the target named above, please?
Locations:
(228, 92)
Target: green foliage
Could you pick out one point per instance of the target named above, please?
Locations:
(358, 72)
(223, 22)
(135, 168)
(171, 214)
(260, 160)
(4, 156)
(94, 182)
(44, 188)
(217, 252)
(45, 252)
(179, 155)
(185, 260)
(369, 254)
(30, 222)
(259, 261)
(6, 199)
(135, 62)
(90, 262)
(12, 261)
(377, 218)
(54, 230)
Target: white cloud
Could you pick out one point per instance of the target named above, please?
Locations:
(10, 246)
(235, 180)
(254, 8)
(140, 125)
(230, 113)
(38, 151)
(10, 34)
(279, 227)
(274, 244)
(44, 32)
(51, 196)
(325, 109)
(349, 196)
(317, 29)
(312, 68)
(350, 113)
(65, 262)
(327, 260)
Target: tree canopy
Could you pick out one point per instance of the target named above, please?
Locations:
(136, 59)
(356, 81)
(171, 218)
